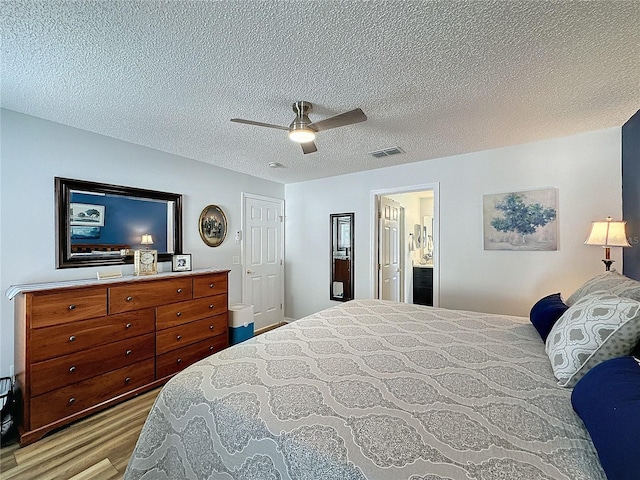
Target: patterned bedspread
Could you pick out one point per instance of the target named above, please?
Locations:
(371, 390)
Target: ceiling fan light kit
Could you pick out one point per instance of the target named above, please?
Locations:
(303, 131)
(302, 135)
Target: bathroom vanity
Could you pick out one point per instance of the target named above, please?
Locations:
(423, 284)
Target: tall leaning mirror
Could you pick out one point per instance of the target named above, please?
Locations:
(341, 287)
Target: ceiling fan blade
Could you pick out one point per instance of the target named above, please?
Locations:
(308, 147)
(346, 118)
(258, 124)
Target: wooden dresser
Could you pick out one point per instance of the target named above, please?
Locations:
(84, 346)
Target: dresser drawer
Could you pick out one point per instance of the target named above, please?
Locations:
(66, 401)
(72, 337)
(62, 371)
(185, 312)
(207, 285)
(53, 308)
(125, 298)
(188, 333)
(177, 360)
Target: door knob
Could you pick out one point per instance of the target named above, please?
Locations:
(249, 272)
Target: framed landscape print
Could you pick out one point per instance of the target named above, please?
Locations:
(87, 215)
(83, 233)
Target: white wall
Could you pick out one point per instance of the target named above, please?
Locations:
(34, 151)
(586, 170)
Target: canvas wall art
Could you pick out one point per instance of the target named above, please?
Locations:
(521, 220)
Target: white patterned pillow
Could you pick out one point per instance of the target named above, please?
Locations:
(611, 282)
(599, 326)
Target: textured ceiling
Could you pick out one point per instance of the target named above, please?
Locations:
(435, 78)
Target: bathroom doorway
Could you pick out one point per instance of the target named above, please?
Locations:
(406, 253)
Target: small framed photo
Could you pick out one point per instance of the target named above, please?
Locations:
(181, 263)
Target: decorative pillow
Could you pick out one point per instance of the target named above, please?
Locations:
(546, 312)
(607, 399)
(611, 282)
(597, 327)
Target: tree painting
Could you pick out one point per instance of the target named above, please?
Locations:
(521, 220)
(85, 214)
(92, 213)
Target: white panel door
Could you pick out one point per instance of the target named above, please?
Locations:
(389, 249)
(263, 259)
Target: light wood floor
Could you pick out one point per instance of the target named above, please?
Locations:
(96, 448)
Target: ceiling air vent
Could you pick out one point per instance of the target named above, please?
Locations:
(387, 152)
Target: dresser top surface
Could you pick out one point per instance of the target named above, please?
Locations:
(14, 290)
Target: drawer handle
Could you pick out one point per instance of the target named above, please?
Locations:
(72, 338)
(72, 369)
(178, 314)
(129, 299)
(211, 348)
(178, 337)
(179, 290)
(72, 307)
(72, 401)
(128, 352)
(128, 325)
(210, 306)
(127, 380)
(179, 360)
(211, 327)
(211, 285)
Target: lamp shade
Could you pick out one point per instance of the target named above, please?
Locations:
(608, 234)
(147, 239)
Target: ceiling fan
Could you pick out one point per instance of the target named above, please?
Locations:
(303, 131)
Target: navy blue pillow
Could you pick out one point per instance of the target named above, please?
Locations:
(546, 312)
(607, 399)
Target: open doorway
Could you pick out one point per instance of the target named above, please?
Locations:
(405, 244)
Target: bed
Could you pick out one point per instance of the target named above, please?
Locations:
(372, 390)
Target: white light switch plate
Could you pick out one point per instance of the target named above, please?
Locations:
(236, 260)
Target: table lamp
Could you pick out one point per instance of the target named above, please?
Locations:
(147, 240)
(608, 233)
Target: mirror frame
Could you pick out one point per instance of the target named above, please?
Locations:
(63, 189)
(335, 234)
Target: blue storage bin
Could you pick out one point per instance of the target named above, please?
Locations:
(240, 323)
(240, 334)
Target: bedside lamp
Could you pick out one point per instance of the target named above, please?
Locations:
(147, 240)
(608, 234)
